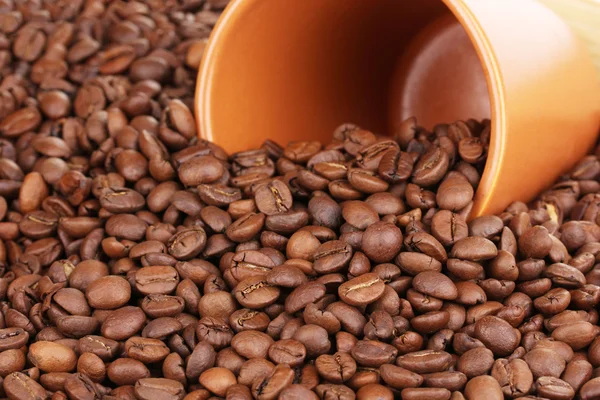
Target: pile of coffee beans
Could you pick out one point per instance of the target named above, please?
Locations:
(140, 262)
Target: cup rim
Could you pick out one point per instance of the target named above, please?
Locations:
(491, 69)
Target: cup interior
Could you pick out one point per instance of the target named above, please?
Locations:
(295, 71)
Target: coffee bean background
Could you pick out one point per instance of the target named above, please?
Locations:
(140, 262)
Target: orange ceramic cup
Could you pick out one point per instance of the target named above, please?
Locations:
(294, 70)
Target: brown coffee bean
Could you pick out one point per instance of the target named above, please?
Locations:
(20, 386)
(127, 371)
(381, 242)
(146, 350)
(426, 393)
(336, 368)
(398, 377)
(287, 351)
(577, 335)
(109, 292)
(297, 391)
(590, 390)
(156, 280)
(414, 263)
(92, 366)
(52, 357)
(535, 242)
(490, 329)
(454, 193)
(251, 344)
(475, 362)
(361, 290)
(431, 167)
(425, 361)
(256, 292)
(273, 198)
(483, 387)
(12, 360)
(514, 376)
(554, 388)
(435, 284)
(123, 323)
(373, 353)
(374, 390)
(474, 249)
(544, 362)
(152, 388)
(33, 192)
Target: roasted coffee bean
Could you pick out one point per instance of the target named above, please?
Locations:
(497, 335)
(361, 290)
(150, 388)
(52, 357)
(483, 387)
(514, 376)
(545, 362)
(256, 292)
(20, 386)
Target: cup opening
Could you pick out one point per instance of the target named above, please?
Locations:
(296, 72)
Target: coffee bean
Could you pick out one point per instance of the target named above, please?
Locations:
(127, 371)
(535, 242)
(271, 385)
(109, 292)
(20, 386)
(149, 388)
(589, 390)
(123, 323)
(474, 249)
(303, 295)
(156, 280)
(146, 350)
(545, 362)
(454, 193)
(425, 361)
(483, 387)
(256, 292)
(12, 338)
(490, 329)
(426, 393)
(287, 351)
(273, 198)
(361, 290)
(514, 376)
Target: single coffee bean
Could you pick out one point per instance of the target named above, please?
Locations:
(545, 362)
(123, 323)
(256, 292)
(361, 290)
(127, 371)
(217, 380)
(589, 390)
(497, 335)
(20, 386)
(109, 292)
(483, 387)
(554, 388)
(381, 242)
(426, 393)
(398, 377)
(152, 388)
(425, 361)
(52, 357)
